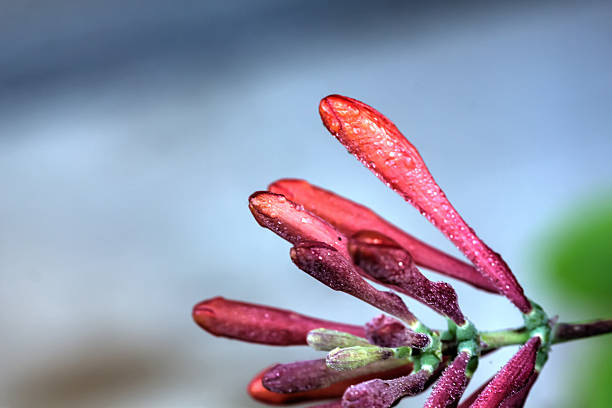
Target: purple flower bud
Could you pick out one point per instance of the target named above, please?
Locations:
(386, 331)
(387, 262)
(511, 378)
(328, 266)
(451, 385)
(314, 374)
(383, 393)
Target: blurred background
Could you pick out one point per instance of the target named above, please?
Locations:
(131, 135)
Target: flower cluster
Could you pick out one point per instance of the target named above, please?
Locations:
(343, 244)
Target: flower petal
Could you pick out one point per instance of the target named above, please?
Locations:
(349, 218)
(260, 324)
(327, 265)
(380, 146)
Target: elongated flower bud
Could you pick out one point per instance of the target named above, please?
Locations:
(333, 390)
(314, 374)
(292, 222)
(386, 331)
(391, 265)
(328, 266)
(260, 324)
(326, 340)
(349, 218)
(383, 393)
(451, 385)
(380, 146)
(350, 358)
(511, 378)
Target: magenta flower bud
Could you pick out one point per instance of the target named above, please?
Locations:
(388, 263)
(511, 378)
(349, 218)
(384, 393)
(327, 265)
(386, 331)
(260, 324)
(309, 375)
(292, 222)
(451, 385)
(380, 146)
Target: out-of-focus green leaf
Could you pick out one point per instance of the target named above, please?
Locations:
(578, 256)
(577, 264)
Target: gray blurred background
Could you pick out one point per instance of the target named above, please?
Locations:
(131, 135)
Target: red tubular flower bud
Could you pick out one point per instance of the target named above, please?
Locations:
(379, 393)
(451, 385)
(292, 222)
(386, 331)
(349, 218)
(260, 324)
(391, 265)
(260, 393)
(380, 146)
(327, 265)
(511, 378)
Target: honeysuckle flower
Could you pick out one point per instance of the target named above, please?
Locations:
(343, 244)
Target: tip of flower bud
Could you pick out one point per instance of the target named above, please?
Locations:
(386, 331)
(326, 109)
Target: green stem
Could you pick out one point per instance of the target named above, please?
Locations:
(501, 338)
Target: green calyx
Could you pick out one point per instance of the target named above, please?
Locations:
(425, 361)
(536, 317)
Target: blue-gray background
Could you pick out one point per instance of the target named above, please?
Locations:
(132, 134)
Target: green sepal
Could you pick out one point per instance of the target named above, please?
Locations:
(536, 317)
